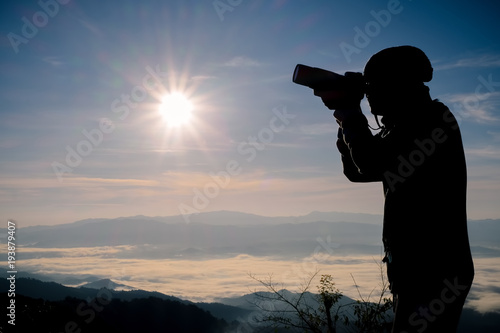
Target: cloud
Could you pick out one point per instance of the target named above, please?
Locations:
(495, 135)
(242, 61)
(200, 78)
(474, 107)
(75, 252)
(74, 181)
(54, 61)
(199, 280)
(90, 26)
(485, 60)
(209, 279)
(485, 291)
(319, 129)
(486, 152)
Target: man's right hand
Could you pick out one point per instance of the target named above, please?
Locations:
(348, 98)
(335, 99)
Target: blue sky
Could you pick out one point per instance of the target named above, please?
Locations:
(81, 135)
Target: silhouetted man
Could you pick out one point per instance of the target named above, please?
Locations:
(419, 158)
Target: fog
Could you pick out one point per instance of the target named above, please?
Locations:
(212, 278)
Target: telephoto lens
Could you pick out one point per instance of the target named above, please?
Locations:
(314, 77)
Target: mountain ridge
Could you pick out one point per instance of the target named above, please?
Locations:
(282, 237)
(106, 283)
(224, 217)
(43, 298)
(52, 291)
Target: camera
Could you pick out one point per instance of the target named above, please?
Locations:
(350, 85)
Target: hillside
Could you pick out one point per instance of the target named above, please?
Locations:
(55, 292)
(114, 316)
(51, 307)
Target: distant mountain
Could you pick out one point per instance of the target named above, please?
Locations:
(238, 218)
(114, 316)
(232, 218)
(232, 233)
(485, 233)
(67, 280)
(473, 321)
(51, 291)
(470, 321)
(106, 283)
(161, 240)
(253, 300)
(49, 306)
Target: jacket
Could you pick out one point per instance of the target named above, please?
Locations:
(421, 163)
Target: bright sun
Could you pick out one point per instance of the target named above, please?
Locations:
(176, 109)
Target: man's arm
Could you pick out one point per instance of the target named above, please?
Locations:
(355, 142)
(358, 148)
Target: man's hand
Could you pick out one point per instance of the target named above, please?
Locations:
(341, 145)
(340, 101)
(336, 99)
(347, 98)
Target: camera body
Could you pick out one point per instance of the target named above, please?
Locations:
(350, 86)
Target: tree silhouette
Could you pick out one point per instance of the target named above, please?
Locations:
(324, 311)
(372, 316)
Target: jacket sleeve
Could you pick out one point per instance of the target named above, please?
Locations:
(359, 149)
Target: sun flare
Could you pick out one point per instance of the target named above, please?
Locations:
(176, 109)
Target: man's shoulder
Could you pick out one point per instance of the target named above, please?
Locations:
(444, 117)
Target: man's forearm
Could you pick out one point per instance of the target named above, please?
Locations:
(359, 149)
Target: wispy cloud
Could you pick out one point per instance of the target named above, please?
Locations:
(242, 61)
(471, 106)
(74, 181)
(494, 135)
(485, 60)
(228, 277)
(318, 129)
(487, 152)
(484, 294)
(55, 61)
(90, 26)
(199, 78)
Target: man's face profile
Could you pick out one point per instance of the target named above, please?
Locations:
(382, 96)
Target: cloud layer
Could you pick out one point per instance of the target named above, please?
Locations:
(219, 277)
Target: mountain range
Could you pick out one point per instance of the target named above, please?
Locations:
(107, 289)
(208, 235)
(50, 306)
(231, 233)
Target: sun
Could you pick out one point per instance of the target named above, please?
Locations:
(176, 109)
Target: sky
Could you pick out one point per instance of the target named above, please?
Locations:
(82, 136)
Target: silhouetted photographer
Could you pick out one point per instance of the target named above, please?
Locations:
(418, 156)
